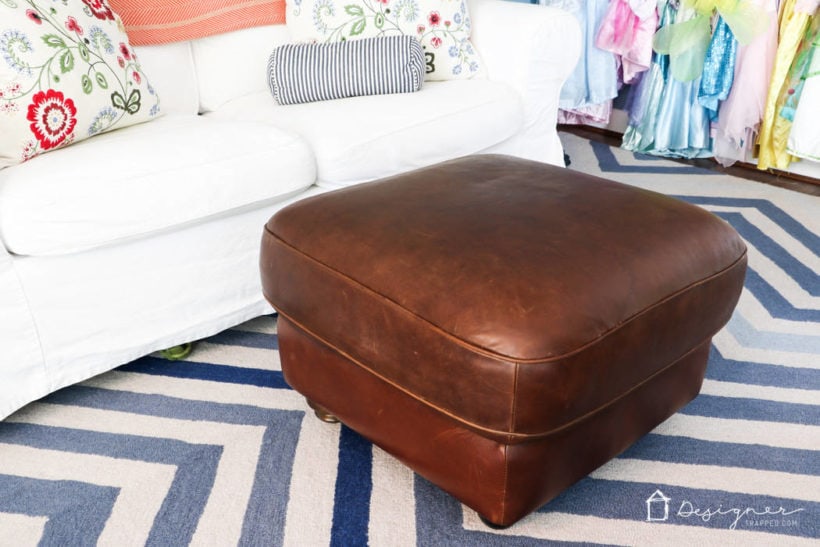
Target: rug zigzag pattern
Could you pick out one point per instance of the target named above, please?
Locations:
(217, 449)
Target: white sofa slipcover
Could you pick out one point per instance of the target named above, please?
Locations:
(155, 242)
(172, 171)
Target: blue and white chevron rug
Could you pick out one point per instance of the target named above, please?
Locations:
(216, 450)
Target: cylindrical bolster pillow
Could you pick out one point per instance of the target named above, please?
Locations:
(303, 73)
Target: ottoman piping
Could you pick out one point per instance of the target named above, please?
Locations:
(493, 354)
(510, 435)
(514, 402)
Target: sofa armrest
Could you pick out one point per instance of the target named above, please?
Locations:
(525, 45)
(534, 49)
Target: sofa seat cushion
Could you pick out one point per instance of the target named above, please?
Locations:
(147, 178)
(364, 138)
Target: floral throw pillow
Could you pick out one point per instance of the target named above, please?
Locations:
(442, 27)
(67, 72)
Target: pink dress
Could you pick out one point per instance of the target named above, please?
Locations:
(740, 114)
(627, 30)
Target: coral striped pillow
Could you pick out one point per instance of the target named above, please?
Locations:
(150, 22)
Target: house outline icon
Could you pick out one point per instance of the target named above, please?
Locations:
(654, 504)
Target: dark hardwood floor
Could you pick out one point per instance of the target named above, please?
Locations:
(798, 183)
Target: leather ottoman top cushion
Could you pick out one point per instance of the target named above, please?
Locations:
(496, 288)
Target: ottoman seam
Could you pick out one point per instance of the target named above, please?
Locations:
(496, 355)
(510, 435)
(506, 482)
(514, 402)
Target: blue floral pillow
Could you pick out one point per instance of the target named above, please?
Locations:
(442, 27)
(67, 72)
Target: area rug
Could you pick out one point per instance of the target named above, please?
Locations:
(217, 450)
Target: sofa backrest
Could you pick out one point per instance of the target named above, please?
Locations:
(201, 75)
(170, 70)
(234, 64)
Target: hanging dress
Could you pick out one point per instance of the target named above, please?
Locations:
(740, 114)
(718, 68)
(804, 138)
(683, 128)
(627, 31)
(643, 100)
(794, 20)
(675, 123)
(588, 92)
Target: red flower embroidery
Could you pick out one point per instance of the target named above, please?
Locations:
(125, 52)
(420, 29)
(72, 25)
(436, 41)
(99, 9)
(434, 19)
(52, 118)
(136, 76)
(121, 62)
(34, 16)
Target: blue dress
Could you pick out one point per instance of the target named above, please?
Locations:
(595, 78)
(718, 69)
(666, 118)
(643, 101)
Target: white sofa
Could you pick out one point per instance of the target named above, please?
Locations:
(147, 237)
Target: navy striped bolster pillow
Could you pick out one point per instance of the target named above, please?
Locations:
(303, 73)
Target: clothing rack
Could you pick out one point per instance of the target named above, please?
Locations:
(750, 94)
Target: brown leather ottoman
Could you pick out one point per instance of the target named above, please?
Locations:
(501, 326)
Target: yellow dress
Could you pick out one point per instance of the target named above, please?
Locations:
(774, 130)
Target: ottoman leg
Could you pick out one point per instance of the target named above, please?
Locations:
(322, 413)
(490, 524)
